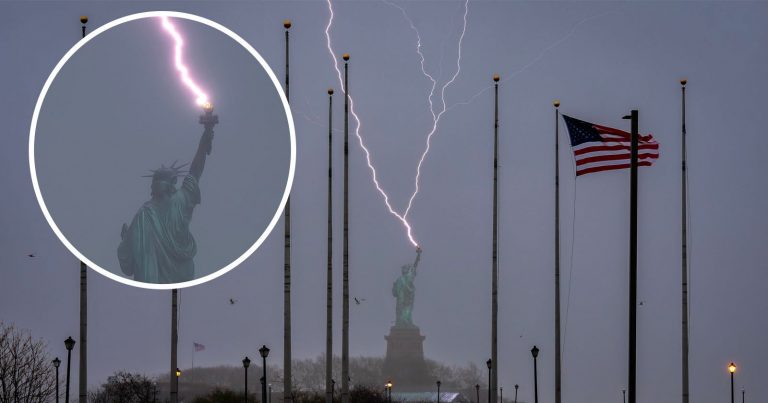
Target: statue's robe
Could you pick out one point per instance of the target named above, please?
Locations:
(158, 247)
(404, 291)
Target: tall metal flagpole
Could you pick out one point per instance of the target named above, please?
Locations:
(632, 353)
(493, 368)
(558, 376)
(174, 381)
(287, 376)
(345, 252)
(684, 193)
(329, 275)
(83, 377)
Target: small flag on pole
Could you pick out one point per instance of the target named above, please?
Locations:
(599, 148)
(199, 347)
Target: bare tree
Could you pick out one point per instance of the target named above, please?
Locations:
(125, 387)
(26, 372)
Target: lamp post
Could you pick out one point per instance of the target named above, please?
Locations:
(389, 391)
(489, 364)
(732, 370)
(624, 395)
(56, 362)
(477, 392)
(501, 394)
(438, 391)
(516, 386)
(535, 354)
(69, 343)
(246, 364)
(333, 388)
(264, 352)
(742, 395)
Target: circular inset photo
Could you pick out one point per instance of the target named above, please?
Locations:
(162, 150)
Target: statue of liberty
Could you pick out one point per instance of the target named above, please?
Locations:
(404, 291)
(157, 247)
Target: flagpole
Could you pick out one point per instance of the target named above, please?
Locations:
(329, 275)
(83, 363)
(632, 353)
(174, 383)
(495, 254)
(287, 377)
(345, 251)
(558, 378)
(684, 202)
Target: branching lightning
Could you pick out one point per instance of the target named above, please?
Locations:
(525, 67)
(435, 115)
(201, 97)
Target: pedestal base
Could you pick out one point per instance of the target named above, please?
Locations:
(404, 363)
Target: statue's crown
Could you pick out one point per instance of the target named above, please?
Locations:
(167, 174)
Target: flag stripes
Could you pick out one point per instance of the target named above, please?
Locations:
(599, 148)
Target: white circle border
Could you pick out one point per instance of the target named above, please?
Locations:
(33, 128)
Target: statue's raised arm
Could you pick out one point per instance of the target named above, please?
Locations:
(208, 120)
(418, 257)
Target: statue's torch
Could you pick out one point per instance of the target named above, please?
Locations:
(208, 120)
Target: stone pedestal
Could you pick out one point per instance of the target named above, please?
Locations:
(404, 363)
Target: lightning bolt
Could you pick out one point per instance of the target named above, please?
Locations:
(186, 79)
(435, 115)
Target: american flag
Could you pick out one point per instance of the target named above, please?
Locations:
(199, 347)
(599, 148)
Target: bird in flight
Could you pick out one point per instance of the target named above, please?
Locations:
(232, 301)
(357, 301)
(31, 255)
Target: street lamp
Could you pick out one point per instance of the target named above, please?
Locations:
(333, 388)
(742, 395)
(624, 395)
(438, 391)
(535, 353)
(56, 362)
(732, 370)
(489, 364)
(178, 373)
(516, 386)
(389, 391)
(477, 392)
(69, 343)
(264, 352)
(246, 364)
(501, 394)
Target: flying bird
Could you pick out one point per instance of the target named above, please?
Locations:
(31, 255)
(232, 301)
(357, 301)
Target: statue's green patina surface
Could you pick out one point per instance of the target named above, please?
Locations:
(157, 246)
(404, 292)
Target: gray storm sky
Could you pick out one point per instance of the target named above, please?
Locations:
(600, 59)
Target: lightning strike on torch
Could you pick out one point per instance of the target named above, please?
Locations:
(201, 97)
(357, 131)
